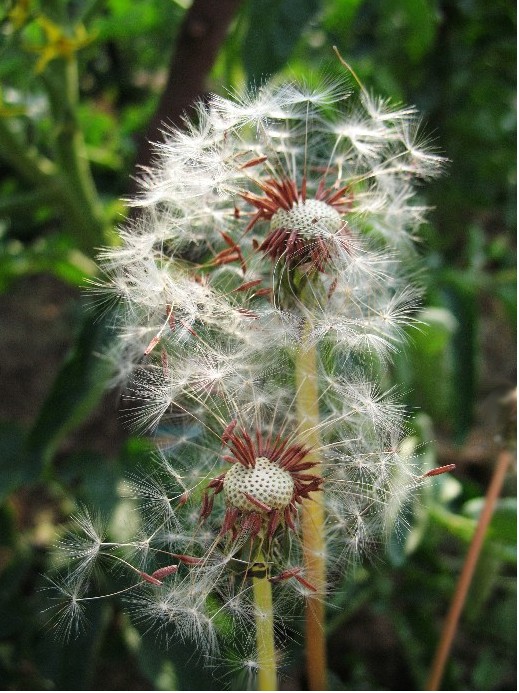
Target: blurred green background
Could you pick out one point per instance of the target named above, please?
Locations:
(81, 81)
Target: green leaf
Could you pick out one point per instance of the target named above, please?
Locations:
(463, 303)
(77, 389)
(457, 525)
(54, 254)
(16, 468)
(426, 366)
(483, 582)
(503, 524)
(501, 537)
(177, 668)
(274, 29)
(422, 19)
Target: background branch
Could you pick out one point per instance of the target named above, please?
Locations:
(202, 32)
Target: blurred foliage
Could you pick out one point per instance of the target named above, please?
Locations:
(79, 81)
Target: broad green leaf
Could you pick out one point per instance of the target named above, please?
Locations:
(176, 667)
(77, 389)
(503, 524)
(501, 537)
(457, 525)
(16, 468)
(483, 583)
(427, 365)
(462, 303)
(55, 255)
(274, 29)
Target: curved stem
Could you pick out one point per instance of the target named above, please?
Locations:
(262, 590)
(68, 180)
(452, 619)
(312, 519)
(77, 187)
(33, 168)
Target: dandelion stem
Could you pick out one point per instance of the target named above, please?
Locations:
(262, 590)
(312, 518)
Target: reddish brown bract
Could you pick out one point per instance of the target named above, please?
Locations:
(440, 470)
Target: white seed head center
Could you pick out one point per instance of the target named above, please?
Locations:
(310, 219)
(267, 482)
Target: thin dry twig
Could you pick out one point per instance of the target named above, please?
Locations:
(450, 625)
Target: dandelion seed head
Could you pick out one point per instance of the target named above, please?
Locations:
(266, 482)
(278, 225)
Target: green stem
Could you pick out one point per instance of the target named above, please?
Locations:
(312, 517)
(262, 590)
(33, 169)
(78, 191)
(25, 203)
(69, 183)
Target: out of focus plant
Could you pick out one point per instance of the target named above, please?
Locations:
(68, 115)
(54, 170)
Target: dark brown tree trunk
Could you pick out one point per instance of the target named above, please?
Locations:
(201, 35)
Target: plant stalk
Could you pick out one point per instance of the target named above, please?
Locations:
(33, 168)
(262, 590)
(312, 517)
(67, 181)
(78, 192)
